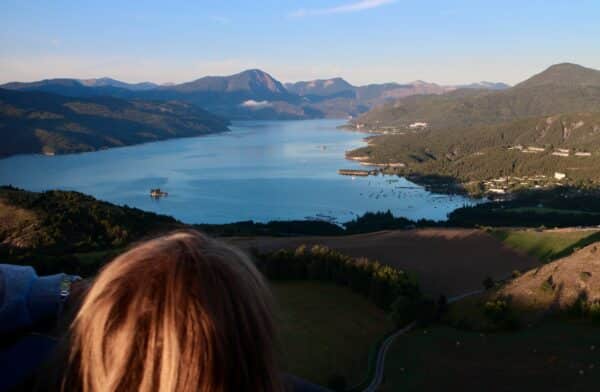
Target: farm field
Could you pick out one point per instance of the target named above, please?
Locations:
(327, 330)
(554, 356)
(547, 245)
(445, 261)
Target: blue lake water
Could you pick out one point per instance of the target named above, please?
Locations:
(261, 171)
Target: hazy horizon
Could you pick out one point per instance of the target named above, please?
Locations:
(362, 41)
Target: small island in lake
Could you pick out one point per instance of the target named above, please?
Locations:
(157, 193)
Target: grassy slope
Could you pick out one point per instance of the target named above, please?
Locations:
(558, 285)
(546, 245)
(327, 330)
(565, 288)
(548, 357)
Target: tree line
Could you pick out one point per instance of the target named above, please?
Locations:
(379, 283)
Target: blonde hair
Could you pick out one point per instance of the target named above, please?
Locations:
(182, 312)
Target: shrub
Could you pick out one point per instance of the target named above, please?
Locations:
(548, 284)
(498, 311)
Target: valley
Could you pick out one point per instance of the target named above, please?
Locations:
(314, 196)
(257, 171)
(67, 231)
(76, 115)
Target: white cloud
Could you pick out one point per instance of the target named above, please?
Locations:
(344, 8)
(252, 104)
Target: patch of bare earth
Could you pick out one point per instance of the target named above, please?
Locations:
(446, 261)
(559, 284)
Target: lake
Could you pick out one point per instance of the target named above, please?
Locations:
(261, 171)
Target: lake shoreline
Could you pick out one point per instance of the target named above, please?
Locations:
(65, 153)
(259, 170)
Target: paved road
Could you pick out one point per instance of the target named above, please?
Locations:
(380, 365)
(376, 382)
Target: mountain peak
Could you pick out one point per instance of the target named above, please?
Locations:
(320, 87)
(253, 81)
(254, 71)
(564, 74)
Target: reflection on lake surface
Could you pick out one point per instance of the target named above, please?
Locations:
(262, 171)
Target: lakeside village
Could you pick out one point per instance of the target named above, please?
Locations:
(500, 187)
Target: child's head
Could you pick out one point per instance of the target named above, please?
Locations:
(182, 312)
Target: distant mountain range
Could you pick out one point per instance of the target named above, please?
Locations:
(562, 88)
(251, 94)
(483, 85)
(108, 82)
(40, 122)
(55, 116)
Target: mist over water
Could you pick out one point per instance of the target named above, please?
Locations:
(261, 171)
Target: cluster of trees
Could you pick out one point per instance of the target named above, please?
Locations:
(74, 222)
(499, 312)
(375, 221)
(561, 207)
(71, 232)
(381, 284)
(585, 308)
(369, 222)
(273, 228)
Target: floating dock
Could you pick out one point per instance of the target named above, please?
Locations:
(359, 173)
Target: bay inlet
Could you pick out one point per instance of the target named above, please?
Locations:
(261, 171)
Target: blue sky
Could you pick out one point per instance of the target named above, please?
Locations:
(364, 41)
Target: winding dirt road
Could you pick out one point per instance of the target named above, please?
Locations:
(380, 366)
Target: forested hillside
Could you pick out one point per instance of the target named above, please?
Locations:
(524, 135)
(36, 122)
(568, 143)
(49, 229)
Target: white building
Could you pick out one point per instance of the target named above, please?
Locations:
(559, 176)
(418, 125)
